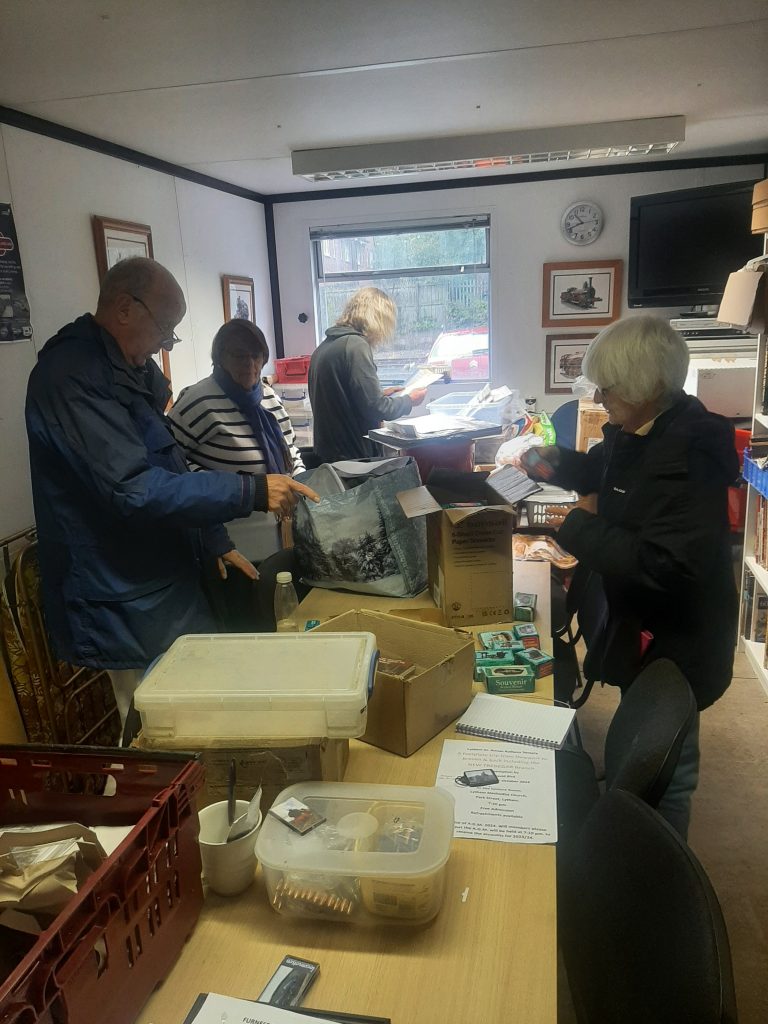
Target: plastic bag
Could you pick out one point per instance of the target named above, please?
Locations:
(510, 452)
(358, 537)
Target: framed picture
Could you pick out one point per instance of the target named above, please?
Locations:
(116, 240)
(238, 298)
(564, 355)
(580, 294)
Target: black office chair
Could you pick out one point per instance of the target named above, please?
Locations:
(641, 930)
(642, 748)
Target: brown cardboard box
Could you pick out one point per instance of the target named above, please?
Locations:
(404, 713)
(745, 301)
(469, 563)
(273, 764)
(760, 208)
(589, 425)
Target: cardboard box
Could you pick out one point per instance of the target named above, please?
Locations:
(403, 714)
(589, 425)
(469, 563)
(273, 764)
(745, 301)
(760, 208)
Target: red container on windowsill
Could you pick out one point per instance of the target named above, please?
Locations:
(292, 370)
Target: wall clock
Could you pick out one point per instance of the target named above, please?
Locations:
(582, 222)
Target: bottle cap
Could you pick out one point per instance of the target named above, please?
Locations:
(284, 577)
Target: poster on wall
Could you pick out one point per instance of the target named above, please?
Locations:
(14, 308)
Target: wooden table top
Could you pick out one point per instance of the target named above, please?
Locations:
(488, 957)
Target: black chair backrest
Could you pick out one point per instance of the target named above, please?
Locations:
(641, 930)
(642, 746)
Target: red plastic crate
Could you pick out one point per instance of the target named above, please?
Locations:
(118, 938)
(292, 370)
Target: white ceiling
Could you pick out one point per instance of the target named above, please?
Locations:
(230, 88)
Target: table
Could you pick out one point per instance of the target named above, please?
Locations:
(490, 958)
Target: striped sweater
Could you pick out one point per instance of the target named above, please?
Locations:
(215, 435)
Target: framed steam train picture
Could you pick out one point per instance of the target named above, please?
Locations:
(564, 355)
(581, 294)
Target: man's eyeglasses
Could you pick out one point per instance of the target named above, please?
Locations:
(168, 335)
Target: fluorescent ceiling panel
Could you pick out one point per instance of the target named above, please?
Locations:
(641, 137)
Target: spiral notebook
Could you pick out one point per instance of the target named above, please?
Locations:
(516, 721)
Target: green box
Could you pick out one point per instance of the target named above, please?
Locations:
(510, 679)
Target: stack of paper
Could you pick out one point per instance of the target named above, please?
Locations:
(429, 426)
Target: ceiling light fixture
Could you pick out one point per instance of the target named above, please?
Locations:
(647, 136)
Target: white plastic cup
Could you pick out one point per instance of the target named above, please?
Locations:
(228, 868)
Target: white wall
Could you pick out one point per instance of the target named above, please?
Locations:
(198, 233)
(525, 234)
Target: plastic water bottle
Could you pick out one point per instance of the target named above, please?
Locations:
(286, 604)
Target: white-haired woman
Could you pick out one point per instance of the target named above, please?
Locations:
(347, 399)
(660, 536)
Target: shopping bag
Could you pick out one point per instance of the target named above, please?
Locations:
(358, 538)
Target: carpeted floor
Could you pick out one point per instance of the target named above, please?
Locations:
(729, 829)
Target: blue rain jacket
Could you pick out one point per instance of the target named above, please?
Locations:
(123, 526)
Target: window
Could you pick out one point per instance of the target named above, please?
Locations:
(438, 276)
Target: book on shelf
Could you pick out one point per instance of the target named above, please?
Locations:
(747, 597)
(760, 618)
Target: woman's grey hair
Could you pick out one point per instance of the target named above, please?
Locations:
(640, 358)
(239, 330)
(372, 313)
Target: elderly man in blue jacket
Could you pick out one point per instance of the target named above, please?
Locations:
(124, 529)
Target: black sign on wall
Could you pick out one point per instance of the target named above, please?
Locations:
(14, 308)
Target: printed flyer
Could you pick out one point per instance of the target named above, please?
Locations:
(14, 308)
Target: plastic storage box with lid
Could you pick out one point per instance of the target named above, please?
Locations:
(452, 404)
(220, 686)
(379, 856)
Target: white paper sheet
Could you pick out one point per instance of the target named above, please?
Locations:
(521, 807)
(422, 378)
(216, 1009)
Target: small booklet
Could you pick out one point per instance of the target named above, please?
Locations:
(516, 721)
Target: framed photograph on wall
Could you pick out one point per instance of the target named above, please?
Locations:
(564, 355)
(582, 293)
(116, 240)
(238, 298)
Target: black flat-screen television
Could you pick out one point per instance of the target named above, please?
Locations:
(684, 244)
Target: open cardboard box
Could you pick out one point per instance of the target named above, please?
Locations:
(469, 557)
(403, 714)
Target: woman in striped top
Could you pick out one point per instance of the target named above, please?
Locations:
(233, 422)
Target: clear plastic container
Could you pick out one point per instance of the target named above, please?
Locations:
(251, 685)
(452, 404)
(378, 858)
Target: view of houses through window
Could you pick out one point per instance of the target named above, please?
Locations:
(439, 278)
